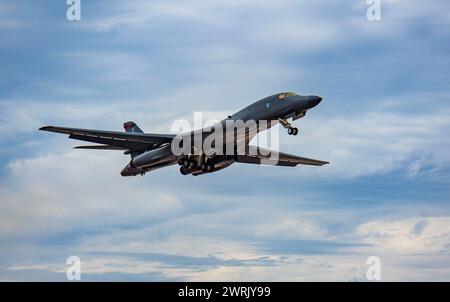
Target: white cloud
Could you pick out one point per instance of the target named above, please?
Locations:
(92, 195)
(413, 236)
(281, 27)
(375, 141)
(220, 238)
(57, 193)
(406, 253)
(144, 13)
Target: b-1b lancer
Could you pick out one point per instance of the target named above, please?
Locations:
(153, 151)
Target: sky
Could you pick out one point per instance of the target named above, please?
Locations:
(383, 124)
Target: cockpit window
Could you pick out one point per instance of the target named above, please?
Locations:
(282, 96)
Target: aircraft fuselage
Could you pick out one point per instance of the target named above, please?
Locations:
(271, 109)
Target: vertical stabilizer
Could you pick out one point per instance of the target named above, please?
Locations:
(132, 127)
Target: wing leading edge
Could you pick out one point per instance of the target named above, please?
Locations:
(113, 140)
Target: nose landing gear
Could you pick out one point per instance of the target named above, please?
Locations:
(291, 130)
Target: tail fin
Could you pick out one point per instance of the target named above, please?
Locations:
(132, 127)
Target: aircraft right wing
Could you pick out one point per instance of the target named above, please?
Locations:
(113, 140)
(258, 155)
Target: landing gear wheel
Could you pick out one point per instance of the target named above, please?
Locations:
(208, 166)
(192, 164)
(290, 131)
(183, 171)
(295, 131)
(185, 163)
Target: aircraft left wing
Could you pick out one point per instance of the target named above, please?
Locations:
(113, 140)
(258, 155)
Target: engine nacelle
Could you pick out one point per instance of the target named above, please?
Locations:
(153, 157)
(150, 160)
(130, 171)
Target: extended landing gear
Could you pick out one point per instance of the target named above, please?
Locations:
(184, 171)
(188, 163)
(291, 130)
(189, 166)
(208, 167)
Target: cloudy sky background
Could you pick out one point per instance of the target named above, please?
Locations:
(384, 125)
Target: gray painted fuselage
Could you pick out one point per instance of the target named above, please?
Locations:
(153, 151)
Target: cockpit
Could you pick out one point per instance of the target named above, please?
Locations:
(284, 95)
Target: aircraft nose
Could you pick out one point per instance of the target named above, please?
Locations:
(315, 100)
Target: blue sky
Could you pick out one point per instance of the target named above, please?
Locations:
(383, 125)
